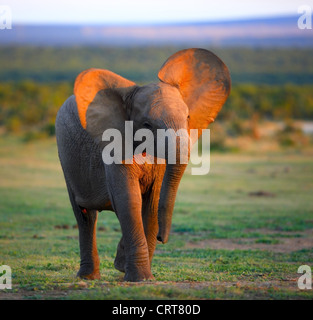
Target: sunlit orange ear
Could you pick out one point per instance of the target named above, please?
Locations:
(203, 81)
(109, 85)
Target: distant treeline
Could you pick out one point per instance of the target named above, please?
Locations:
(276, 102)
(35, 81)
(141, 64)
(30, 107)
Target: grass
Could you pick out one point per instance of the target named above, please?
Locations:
(240, 232)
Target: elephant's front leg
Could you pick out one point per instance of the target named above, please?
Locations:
(126, 200)
(150, 223)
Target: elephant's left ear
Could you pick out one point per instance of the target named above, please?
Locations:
(203, 81)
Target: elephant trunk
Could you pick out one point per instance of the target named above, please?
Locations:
(171, 180)
(177, 152)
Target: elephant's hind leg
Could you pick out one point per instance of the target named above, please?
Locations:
(87, 224)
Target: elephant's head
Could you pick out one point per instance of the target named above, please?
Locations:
(194, 84)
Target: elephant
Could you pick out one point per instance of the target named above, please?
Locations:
(193, 85)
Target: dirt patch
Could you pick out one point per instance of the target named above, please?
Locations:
(38, 295)
(253, 289)
(275, 244)
(261, 193)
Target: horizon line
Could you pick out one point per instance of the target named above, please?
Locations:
(157, 23)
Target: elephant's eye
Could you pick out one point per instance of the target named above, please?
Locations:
(147, 125)
(188, 117)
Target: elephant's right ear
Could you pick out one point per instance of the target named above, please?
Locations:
(101, 100)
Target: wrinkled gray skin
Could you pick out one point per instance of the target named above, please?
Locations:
(96, 186)
(194, 85)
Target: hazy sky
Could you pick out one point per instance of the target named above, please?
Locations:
(142, 11)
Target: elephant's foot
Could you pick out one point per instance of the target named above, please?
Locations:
(138, 275)
(91, 276)
(88, 273)
(119, 264)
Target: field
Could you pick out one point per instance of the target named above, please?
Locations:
(240, 232)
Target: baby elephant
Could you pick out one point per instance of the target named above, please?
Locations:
(141, 190)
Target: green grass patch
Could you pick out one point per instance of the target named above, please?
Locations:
(38, 238)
